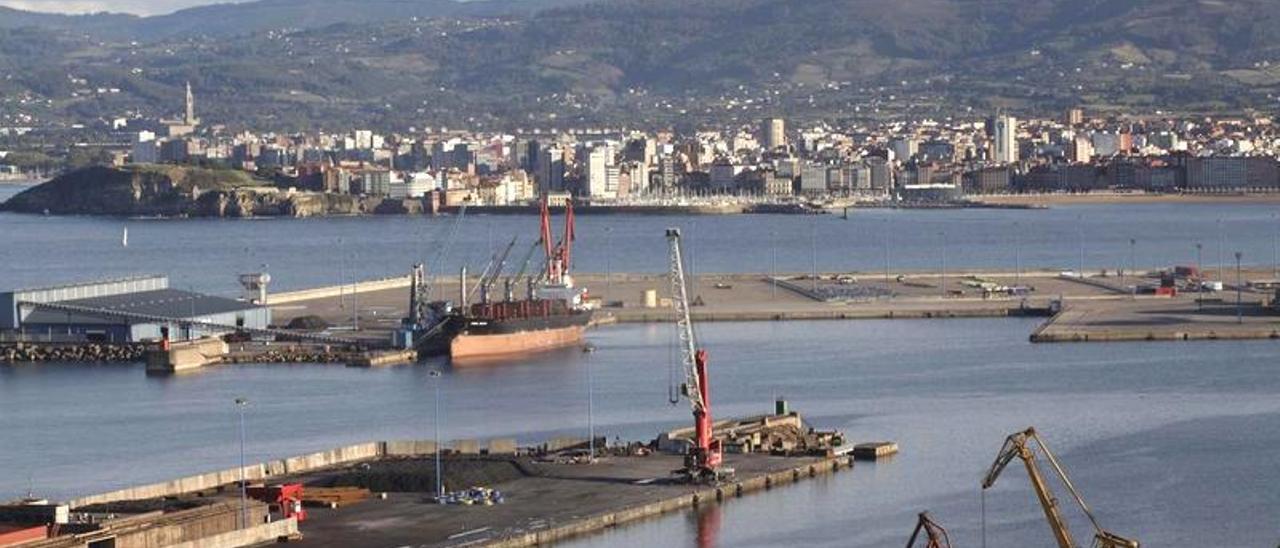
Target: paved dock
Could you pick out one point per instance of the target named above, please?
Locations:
(739, 297)
(1096, 308)
(551, 502)
(1161, 319)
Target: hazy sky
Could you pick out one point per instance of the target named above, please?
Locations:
(141, 7)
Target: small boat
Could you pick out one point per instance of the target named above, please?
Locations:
(124, 238)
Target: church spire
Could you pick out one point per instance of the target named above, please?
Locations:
(191, 107)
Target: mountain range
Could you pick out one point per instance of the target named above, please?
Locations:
(398, 63)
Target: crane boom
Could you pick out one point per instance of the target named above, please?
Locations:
(935, 535)
(1018, 445)
(497, 264)
(704, 459)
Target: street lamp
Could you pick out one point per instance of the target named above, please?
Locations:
(241, 403)
(1239, 310)
(886, 254)
(1199, 277)
(813, 245)
(355, 293)
(1017, 254)
(435, 375)
(1222, 245)
(773, 263)
(591, 424)
(1275, 248)
(943, 285)
(608, 262)
(1080, 237)
(1133, 266)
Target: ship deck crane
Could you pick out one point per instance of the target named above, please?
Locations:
(1019, 445)
(421, 318)
(493, 271)
(935, 535)
(703, 462)
(560, 254)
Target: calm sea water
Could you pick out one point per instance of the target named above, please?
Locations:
(207, 254)
(1171, 443)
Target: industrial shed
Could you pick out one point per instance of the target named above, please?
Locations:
(122, 310)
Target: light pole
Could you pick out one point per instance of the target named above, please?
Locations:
(773, 263)
(1222, 244)
(1080, 237)
(886, 254)
(355, 294)
(342, 274)
(1017, 254)
(1239, 309)
(608, 262)
(1199, 277)
(591, 424)
(1133, 268)
(1275, 248)
(943, 285)
(813, 245)
(241, 403)
(435, 375)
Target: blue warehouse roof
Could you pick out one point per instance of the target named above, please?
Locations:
(172, 303)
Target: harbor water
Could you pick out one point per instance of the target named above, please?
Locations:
(1172, 443)
(207, 254)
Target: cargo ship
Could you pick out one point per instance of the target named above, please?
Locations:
(553, 314)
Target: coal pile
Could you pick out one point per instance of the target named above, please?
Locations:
(418, 475)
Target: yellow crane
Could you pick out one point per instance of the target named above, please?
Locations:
(935, 535)
(1018, 445)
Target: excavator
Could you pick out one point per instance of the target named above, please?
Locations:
(702, 464)
(1019, 445)
(935, 535)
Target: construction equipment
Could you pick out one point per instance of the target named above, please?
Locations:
(1018, 445)
(702, 462)
(935, 535)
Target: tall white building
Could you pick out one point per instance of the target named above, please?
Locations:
(775, 133)
(1006, 139)
(598, 174)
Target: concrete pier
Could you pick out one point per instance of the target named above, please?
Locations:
(186, 355)
(549, 493)
(1160, 319)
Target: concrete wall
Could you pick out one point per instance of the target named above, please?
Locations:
(254, 472)
(264, 471)
(260, 534)
(335, 290)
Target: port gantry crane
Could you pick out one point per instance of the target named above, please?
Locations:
(1018, 445)
(703, 462)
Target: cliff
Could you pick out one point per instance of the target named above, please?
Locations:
(184, 191)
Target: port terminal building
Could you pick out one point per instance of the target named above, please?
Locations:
(123, 310)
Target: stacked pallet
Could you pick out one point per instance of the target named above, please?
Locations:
(334, 497)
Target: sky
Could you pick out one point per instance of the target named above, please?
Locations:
(140, 7)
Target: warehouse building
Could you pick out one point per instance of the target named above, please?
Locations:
(132, 309)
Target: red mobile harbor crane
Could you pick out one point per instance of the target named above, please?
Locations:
(703, 462)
